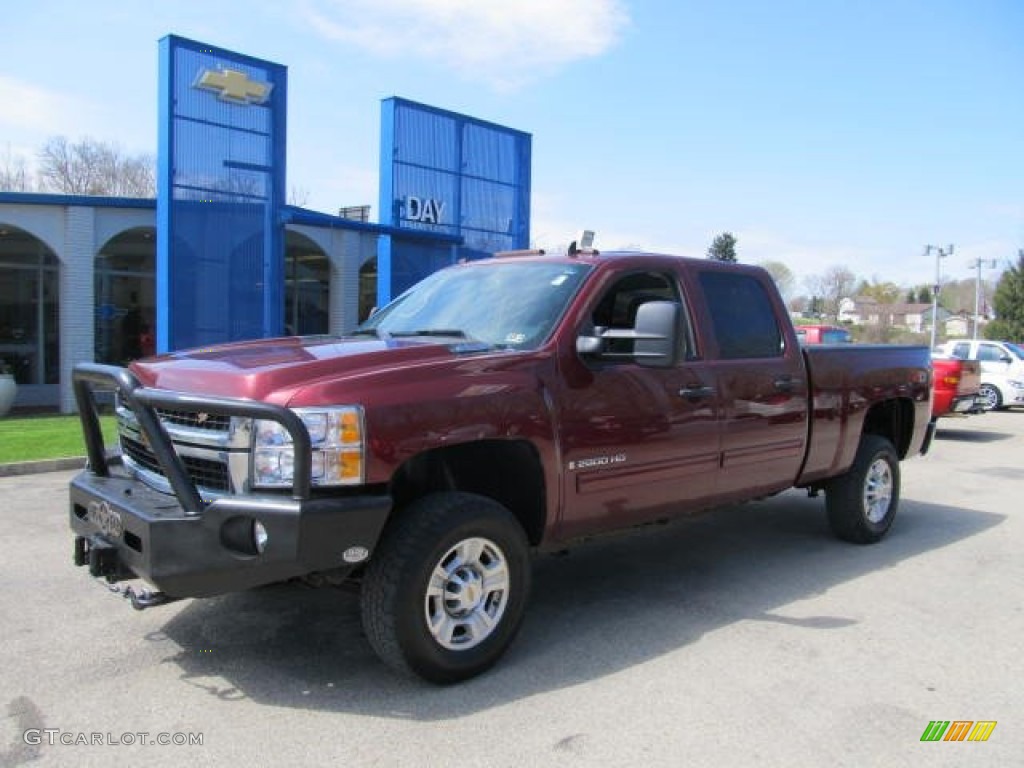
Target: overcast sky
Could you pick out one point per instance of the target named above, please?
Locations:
(819, 132)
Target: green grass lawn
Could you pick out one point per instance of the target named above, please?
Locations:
(28, 438)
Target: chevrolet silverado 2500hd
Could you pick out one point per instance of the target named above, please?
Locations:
(498, 407)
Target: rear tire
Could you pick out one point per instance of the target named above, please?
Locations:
(862, 504)
(446, 590)
(991, 400)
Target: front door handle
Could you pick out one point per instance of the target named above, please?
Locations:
(785, 384)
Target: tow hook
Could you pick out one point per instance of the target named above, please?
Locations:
(143, 598)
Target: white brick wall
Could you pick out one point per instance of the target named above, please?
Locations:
(76, 234)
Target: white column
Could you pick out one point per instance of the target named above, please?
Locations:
(347, 251)
(77, 302)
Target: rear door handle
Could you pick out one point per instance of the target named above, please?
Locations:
(694, 393)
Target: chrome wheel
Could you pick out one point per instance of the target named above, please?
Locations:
(446, 590)
(862, 502)
(990, 399)
(467, 594)
(878, 487)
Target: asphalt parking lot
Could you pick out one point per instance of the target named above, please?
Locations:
(746, 637)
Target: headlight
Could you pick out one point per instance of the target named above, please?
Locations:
(336, 435)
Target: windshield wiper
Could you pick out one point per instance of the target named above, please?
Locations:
(432, 332)
(377, 333)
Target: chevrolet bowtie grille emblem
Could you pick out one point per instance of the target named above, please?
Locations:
(233, 86)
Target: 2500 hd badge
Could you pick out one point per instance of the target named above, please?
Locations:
(597, 461)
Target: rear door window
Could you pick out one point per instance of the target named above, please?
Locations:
(989, 353)
(742, 316)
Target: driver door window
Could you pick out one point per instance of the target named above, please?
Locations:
(618, 307)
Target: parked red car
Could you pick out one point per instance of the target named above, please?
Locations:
(955, 386)
(823, 334)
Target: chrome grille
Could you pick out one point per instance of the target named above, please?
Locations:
(214, 422)
(205, 473)
(213, 448)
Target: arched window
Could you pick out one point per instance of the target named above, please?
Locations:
(367, 288)
(307, 279)
(29, 310)
(126, 297)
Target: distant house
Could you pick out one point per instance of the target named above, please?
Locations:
(958, 326)
(913, 317)
(864, 310)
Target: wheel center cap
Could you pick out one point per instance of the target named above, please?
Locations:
(464, 592)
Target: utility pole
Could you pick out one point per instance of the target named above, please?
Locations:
(978, 264)
(940, 254)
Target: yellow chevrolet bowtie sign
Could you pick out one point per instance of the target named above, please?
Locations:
(233, 86)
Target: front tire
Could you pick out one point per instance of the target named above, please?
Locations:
(446, 590)
(862, 504)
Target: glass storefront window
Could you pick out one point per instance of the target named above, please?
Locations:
(126, 297)
(29, 308)
(307, 287)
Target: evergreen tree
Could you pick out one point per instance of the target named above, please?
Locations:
(1008, 303)
(723, 248)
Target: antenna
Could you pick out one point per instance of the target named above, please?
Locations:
(584, 243)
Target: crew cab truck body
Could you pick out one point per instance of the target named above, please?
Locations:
(497, 407)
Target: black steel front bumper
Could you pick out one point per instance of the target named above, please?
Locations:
(132, 531)
(190, 547)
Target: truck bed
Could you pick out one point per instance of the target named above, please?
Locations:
(844, 379)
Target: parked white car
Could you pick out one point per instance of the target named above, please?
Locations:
(1002, 369)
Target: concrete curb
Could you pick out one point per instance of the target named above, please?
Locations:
(43, 465)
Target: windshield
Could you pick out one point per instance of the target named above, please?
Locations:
(504, 304)
(1016, 349)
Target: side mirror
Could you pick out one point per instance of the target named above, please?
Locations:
(655, 337)
(657, 334)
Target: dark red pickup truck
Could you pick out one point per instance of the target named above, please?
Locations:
(498, 407)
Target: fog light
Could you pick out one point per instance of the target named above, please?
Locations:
(259, 536)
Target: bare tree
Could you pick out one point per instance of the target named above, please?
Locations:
(799, 304)
(14, 176)
(298, 196)
(92, 167)
(832, 287)
(958, 295)
(783, 277)
(882, 292)
(137, 176)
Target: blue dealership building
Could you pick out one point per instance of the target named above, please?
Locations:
(219, 256)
